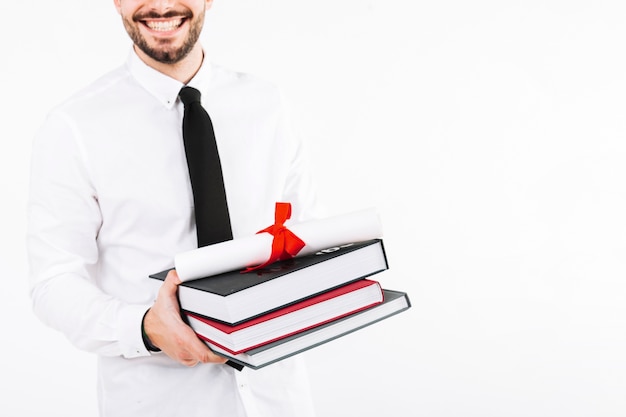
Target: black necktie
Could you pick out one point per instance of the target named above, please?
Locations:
(205, 171)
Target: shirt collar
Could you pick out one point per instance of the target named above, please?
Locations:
(161, 86)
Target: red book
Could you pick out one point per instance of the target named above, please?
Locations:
(304, 315)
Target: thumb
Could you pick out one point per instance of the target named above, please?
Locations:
(172, 278)
(171, 283)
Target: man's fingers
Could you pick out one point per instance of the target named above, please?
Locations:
(209, 357)
(202, 352)
(189, 362)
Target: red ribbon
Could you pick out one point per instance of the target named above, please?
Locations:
(285, 244)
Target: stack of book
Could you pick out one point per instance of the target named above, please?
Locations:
(261, 317)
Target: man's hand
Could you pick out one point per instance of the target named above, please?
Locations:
(167, 331)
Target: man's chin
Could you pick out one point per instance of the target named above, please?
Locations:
(165, 55)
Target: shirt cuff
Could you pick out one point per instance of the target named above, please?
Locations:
(129, 324)
(144, 336)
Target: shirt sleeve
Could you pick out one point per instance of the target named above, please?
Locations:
(63, 223)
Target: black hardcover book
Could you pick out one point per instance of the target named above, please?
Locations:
(234, 297)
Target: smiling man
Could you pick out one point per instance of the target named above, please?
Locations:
(111, 202)
(165, 37)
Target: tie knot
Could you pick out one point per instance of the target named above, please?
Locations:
(189, 95)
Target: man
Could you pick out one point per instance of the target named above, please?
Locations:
(111, 202)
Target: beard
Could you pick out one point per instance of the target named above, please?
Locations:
(162, 51)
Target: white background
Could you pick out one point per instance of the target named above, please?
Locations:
(489, 134)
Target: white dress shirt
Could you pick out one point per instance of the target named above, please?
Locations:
(111, 203)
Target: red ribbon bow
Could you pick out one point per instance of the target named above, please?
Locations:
(285, 244)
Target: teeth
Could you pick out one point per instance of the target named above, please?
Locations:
(164, 26)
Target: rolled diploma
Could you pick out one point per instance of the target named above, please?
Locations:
(253, 250)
